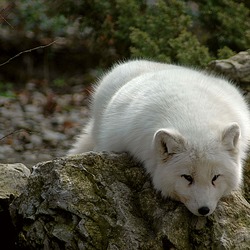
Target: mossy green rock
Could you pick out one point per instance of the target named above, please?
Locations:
(106, 201)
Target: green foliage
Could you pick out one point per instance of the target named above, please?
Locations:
(148, 47)
(145, 38)
(164, 36)
(179, 31)
(130, 28)
(6, 89)
(37, 17)
(225, 53)
(105, 26)
(59, 82)
(166, 30)
(189, 51)
(227, 23)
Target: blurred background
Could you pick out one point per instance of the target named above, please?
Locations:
(51, 53)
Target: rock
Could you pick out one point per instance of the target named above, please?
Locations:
(13, 179)
(5, 149)
(246, 186)
(236, 68)
(106, 201)
(52, 137)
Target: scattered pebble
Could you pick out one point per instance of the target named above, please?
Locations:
(35, 126)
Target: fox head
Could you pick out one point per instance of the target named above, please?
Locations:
(197, 174)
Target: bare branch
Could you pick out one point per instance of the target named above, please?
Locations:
(5, 12)
(27, 51)
(14, 132)
(6, 21)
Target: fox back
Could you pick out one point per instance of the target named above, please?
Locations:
(189, 129)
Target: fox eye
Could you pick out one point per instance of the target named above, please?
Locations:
(189, 178)
(215, 178)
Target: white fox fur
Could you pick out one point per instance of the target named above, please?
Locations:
(191, 130)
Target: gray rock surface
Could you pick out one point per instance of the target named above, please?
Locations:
(13, 180)
(106, 201)
(237, 67)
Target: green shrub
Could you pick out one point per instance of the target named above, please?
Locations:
(186, 32)
(37, 17)
(179, 31)
(225, 23)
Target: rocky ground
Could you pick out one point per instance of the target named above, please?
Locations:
(38, 124)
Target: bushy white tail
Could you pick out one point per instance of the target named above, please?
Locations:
(84, 142)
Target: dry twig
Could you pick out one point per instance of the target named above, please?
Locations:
(5, 12)
(14, 132)
(27, 51)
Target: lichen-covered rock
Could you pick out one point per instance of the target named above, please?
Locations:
(106, 201)
(237, 67)
(13, 179)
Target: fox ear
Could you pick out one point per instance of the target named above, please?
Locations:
(230, 136)
(168, 141)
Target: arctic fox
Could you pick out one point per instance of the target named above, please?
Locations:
(191, 130)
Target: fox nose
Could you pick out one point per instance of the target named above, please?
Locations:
(203, 210)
